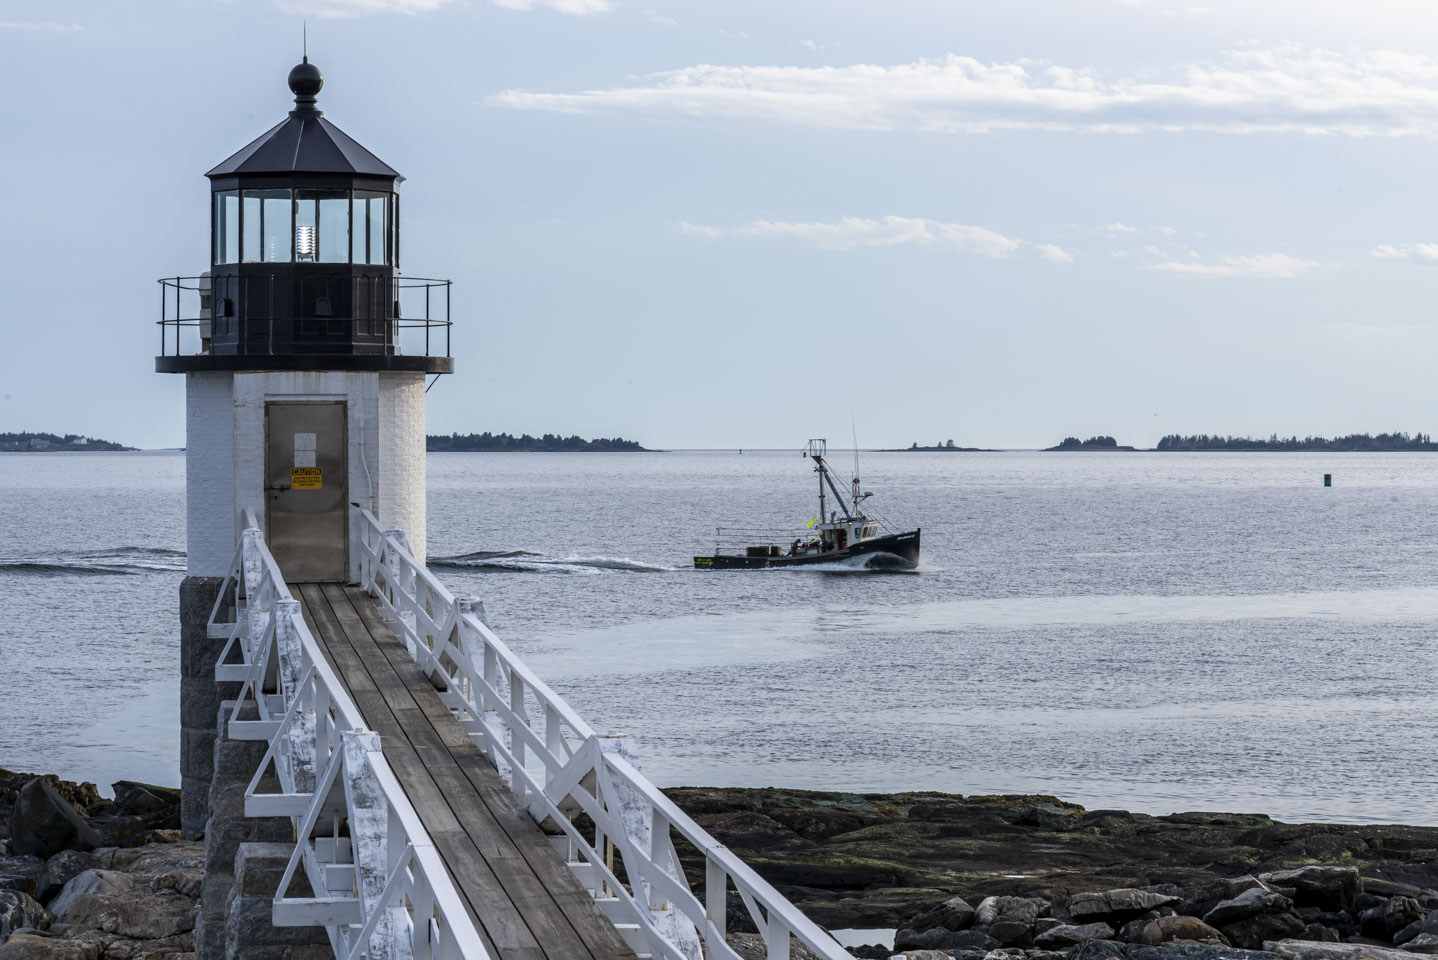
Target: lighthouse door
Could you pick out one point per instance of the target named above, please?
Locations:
(305, 490)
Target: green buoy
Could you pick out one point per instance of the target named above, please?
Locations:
(1328, 479)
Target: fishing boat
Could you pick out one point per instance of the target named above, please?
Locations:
(830, 537)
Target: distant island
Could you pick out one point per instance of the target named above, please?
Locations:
(52, 443)
(947, 446)
(1352, 442)
(1092, 443)
(549, 443)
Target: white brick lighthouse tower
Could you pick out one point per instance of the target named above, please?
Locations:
(305, 356)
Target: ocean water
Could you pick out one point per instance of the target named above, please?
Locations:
(1157, 632)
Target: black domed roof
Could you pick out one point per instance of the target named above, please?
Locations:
(305, 142)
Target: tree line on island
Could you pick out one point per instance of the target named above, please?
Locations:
(1352, 442)
(506, 443)
(1202, 442)
(24, 442)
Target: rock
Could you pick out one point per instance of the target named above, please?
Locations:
(937, 938)
(1143, 930)
(1115, 905)
(993, 910)
(1090, 950)
(121, 831)
(1318, 932)
(42, 823)
(21, 873)
(154, 859)
(1009, 920)
(19, 910)
(1237, 885)
(1196, 951)
(1253, 932)
(60, 870)
(1393, 888)
(1250, 902)
(922, 955)
(1428, 924)
(1308, 950)
(30, 944)
(1423, 943)
(1398, 913)
(123, 904)
(145, 800)
(952, 914)
(1042, 924)
(1187, 928)
(1069, 934)
(1328, 888)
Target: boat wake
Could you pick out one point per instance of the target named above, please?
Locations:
(527, 561)
(864, 563)
(119, 561)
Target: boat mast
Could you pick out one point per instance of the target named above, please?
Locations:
(817, 449)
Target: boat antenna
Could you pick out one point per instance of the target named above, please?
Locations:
(854, 431)
(305, 39)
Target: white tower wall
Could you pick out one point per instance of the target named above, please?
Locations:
(210, 529)
(225, 457)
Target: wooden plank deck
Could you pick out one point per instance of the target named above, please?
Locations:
(526, 903)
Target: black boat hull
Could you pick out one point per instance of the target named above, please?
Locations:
(903, 548)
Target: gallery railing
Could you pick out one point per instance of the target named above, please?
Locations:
(256, 315)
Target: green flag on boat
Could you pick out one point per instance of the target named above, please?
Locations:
(812, 521)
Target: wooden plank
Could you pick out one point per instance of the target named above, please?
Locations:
(547, 922)
(555, 878)
(496, 916)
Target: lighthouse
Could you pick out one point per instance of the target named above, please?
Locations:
(306, 354)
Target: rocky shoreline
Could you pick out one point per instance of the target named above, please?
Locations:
(86, 878)
(1002, 877)
(1036, 876)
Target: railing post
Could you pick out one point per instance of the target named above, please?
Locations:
(716, 897)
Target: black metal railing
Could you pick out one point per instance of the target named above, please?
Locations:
(273, 314)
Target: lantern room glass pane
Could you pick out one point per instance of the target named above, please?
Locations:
(334, 226)
(268, 233)
(250, 240)
(227, 226)
(379, 230)
(371, 227)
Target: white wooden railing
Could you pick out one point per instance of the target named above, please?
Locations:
(559, 768)
(381, 890)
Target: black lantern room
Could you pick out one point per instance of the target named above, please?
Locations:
(304, 261)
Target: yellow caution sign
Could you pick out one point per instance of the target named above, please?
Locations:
(305, 478)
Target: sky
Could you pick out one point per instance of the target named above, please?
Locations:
(740, 224)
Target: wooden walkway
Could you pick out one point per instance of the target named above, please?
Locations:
(525, 902)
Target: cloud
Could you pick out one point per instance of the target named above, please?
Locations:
(851, 233)
(1418, 252)
(1285, 89)
(580, 8)
(361, 8)
(699, 230)
(36, 25)
(1119, 229)
(1271, 266)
